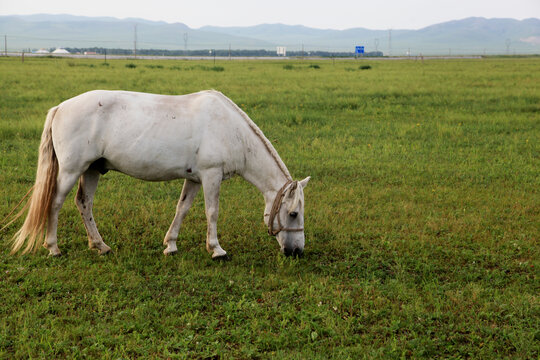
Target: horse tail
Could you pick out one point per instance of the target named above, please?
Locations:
(43, 192)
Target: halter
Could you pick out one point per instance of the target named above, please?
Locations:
(276, 206)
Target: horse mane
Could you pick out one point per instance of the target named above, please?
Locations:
(259, 134)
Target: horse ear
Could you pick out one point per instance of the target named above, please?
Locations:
(304, 182)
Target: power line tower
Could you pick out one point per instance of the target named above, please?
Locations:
(185, 42)
(508, 43)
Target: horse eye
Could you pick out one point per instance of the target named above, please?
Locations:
(293, 214)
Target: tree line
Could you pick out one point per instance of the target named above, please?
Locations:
(217, 52)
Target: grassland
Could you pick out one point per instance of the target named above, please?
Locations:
(422, 219)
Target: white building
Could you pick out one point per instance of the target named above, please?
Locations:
(60, 51)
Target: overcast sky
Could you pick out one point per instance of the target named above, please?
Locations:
(333, 14)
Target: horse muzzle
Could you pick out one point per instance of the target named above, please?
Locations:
(295, 252)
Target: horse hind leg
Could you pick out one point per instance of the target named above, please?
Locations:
(64, 183)
(189, 191)
(85, 200)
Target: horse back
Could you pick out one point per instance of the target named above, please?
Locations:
(148, 136)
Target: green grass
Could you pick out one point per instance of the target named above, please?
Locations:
(422, 219)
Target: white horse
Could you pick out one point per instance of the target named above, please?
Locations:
(203, 137)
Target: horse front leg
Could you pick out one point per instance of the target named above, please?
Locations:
(211, 182)
(189, 191)
(85, 200)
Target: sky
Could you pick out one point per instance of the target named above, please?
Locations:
(329, 14)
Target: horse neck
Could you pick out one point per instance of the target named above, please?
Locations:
(267, 173)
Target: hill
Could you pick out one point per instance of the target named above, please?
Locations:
(467, 36)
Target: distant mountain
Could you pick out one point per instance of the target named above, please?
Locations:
(467, 36)
(474, 34)
(49, 31)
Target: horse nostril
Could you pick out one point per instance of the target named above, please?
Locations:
(293, 214)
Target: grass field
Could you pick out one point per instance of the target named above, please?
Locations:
(422, 219)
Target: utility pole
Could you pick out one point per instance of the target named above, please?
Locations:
(376, 45)
(389, 42)
(135, 40)
(185, 42)
(508, 42)
(5, 45)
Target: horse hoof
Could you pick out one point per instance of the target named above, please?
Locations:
(57, 255)
(225, 257)
(102, 248)
(170, 253)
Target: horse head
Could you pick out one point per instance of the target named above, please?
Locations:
(286, 218)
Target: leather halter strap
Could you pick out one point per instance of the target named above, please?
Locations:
(276, 206)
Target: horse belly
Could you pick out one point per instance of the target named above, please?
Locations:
(154, 163)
